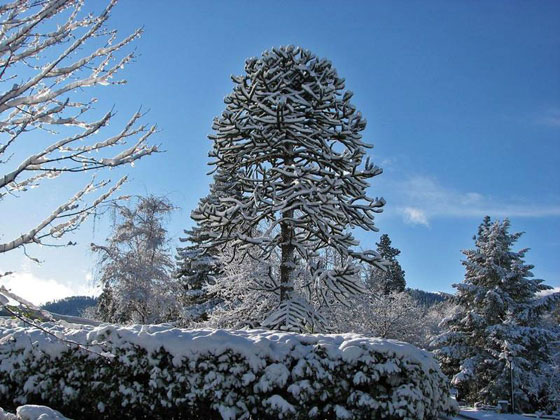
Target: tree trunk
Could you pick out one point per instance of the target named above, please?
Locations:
(287, 264)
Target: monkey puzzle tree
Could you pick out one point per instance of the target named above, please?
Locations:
(292, 139)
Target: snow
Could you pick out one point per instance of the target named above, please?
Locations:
(275, 373)
(38, 412)
(32, 412)
(254, 345)
(6, 416)
(474, 414)
(548, 292)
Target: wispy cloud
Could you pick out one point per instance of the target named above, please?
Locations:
(420, 199)
(551, 118)
(414, 216)
(39, 290)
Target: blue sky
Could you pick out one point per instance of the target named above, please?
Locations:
(462, 100)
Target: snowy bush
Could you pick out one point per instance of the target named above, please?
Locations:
(163, 372)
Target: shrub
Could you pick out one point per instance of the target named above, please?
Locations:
(164, 372)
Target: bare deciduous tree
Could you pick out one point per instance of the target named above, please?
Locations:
(50, 51)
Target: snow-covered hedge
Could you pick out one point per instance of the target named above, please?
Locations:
(164, 372)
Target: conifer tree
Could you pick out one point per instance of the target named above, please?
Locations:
(498, 323)
(199, 265)
(391, 278)
(292, 139)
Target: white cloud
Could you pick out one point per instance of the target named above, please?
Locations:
(415, 216)
(422, 198)
(551, 118)
(549, 292)
(38, 290)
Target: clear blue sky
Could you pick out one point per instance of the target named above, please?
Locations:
(462, 100)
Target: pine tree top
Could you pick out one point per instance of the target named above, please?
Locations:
(498, 283)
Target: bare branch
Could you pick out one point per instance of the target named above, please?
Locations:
(64, 61)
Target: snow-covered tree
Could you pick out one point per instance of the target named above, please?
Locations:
(135, 266)
(394, 315)
(391, 278)
(50, 52)
(291, 138)
(196, 269)
(239, 299)
(498, 323)
(199, 265)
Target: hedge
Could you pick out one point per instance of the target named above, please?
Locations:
(163, 372)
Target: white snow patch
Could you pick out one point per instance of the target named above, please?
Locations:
(38, 412)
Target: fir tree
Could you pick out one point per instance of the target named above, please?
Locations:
(391, 278)
(292, 139)
(499, 321)
(198, 265)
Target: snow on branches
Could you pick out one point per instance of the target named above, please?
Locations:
(135, 265)
(291, 140)
(49, 52)
(498, 326)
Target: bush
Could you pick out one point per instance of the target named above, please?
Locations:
(163, 372)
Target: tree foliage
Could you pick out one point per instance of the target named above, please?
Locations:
(199, 265)
(395, 315)
(390, 278)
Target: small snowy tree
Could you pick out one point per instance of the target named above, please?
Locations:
(50, 52)
(291, 138)
(136, 267)
(391, 278)
(199, 265)
(498, 323)
(196, 269)
(395, 315)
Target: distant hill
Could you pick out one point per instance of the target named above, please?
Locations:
(428, 299)
(73, 305)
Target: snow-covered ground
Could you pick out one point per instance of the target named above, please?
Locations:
(474, 414)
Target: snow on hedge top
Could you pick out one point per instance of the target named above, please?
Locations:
(254, 345)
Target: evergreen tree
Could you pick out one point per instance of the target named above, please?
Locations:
(391, 278)
(198, 265)
(499, 321)
(292, 139)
